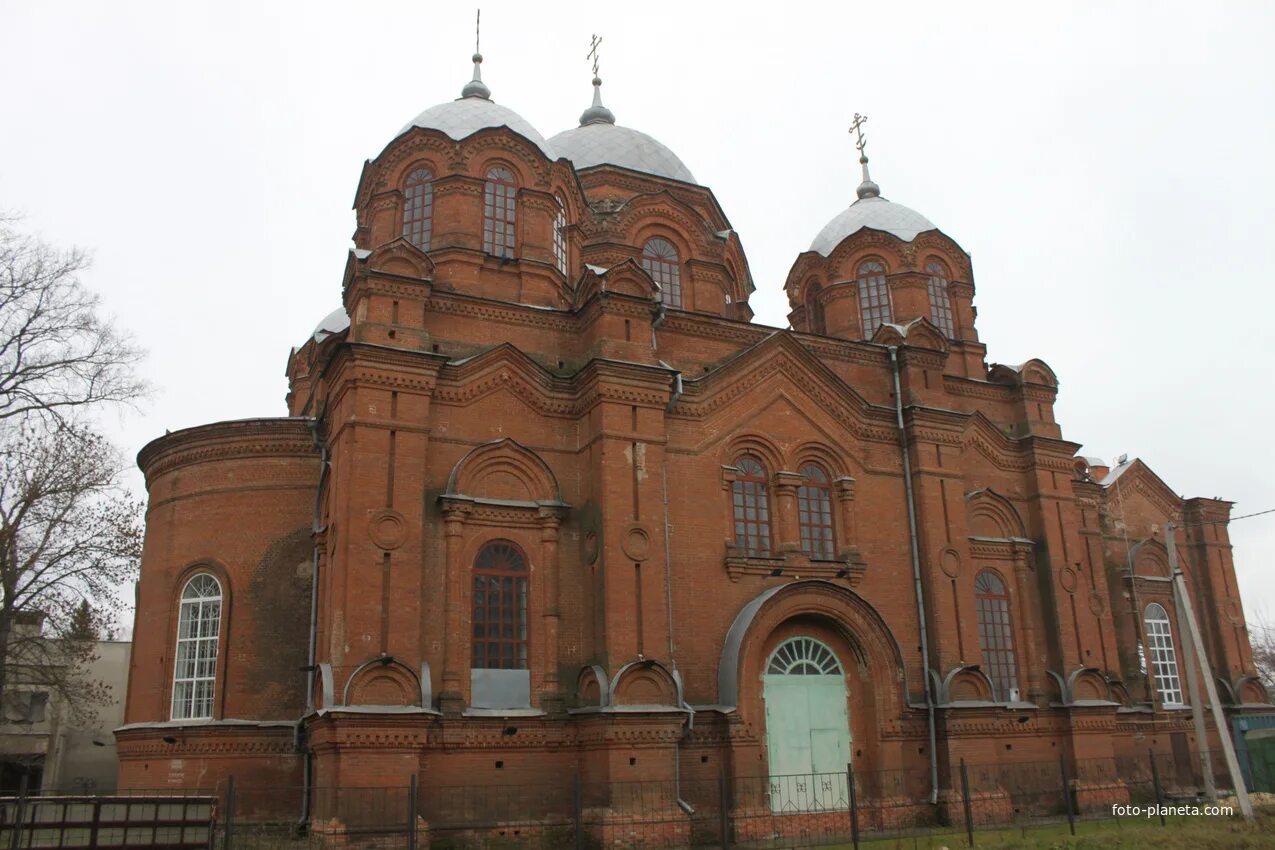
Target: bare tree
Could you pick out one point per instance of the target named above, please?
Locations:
(70, 536)
(1261, 634)
(57, 354)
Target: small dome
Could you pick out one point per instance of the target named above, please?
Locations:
(875, 212)
(600, 141)
(474, 111)
(333, 323)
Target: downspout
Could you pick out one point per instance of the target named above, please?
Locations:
(668, 595)
(916, 575)
(316, 528)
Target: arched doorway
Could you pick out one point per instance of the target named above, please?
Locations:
(807, 727)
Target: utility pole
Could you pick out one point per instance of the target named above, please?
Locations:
(1195, 647)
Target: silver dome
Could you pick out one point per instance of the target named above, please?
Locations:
(333, 323)
(875, 212)
(611, 144)
(460, 119)
(474, 111)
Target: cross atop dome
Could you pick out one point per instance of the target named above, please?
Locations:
(597, 113)
(867, 189)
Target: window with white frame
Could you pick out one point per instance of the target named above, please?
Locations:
(940, 300)
(499, 208)
(560, 237)
(874, 297)
(1164, 661)
(198, 628)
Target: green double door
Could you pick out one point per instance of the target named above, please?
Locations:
(808, 739)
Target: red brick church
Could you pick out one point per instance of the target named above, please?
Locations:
(545, 500)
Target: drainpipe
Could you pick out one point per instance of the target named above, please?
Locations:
(916, 574)
(316, 528)
(668, 594)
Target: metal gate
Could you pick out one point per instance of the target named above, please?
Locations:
(89, 823)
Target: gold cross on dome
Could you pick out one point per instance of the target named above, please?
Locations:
(857, 129)
(593, 53)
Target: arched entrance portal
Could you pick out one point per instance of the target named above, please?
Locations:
(807, 727)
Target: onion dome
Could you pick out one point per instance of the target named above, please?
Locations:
(474, 110)
(870, 210)
(600, 141)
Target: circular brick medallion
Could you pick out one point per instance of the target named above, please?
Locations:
(387, 529)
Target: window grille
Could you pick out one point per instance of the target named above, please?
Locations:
(814, 513)
(995, 636)
(874, 297)
(660, 260)
(418, 208)
(499, 209)
(940, 301)
(560, 237)
(198, 627)
(500, 608)
(751, 509)
(1164, 660)
(803, 656)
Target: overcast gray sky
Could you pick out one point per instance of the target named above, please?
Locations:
(1108, 165)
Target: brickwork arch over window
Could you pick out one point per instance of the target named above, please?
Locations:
(418, 207)
(995, 635)
(874, 297)
(940, 301)
(660, 260)
(1164, 660)
(198, 630)
(814, 513)
(749, 502)
(499, 211)
(500, 607)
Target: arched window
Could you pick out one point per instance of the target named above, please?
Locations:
(940, 301)
(499, 205)
(418, 207)
(814, 310)
(1164, 661)
(750, 506)
(874, 297)
(995, 638)
(659, 259)
(560, 237)
(814, 513)
(500, 608)
(198, 627)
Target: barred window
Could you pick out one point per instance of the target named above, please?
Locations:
(995, 636)
(499, 207)
(1164, 661)
(874, 297)
(418, 207)
(500, 607)
(814, 513)
(750, 506)
(198, 628)
(940, 300)
(660, 260)
(560, 237)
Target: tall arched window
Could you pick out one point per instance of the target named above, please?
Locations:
(1164, 661)
(874, 297)
(198, 627)
(659, 259)
(560, 237)
(995, 637)
(750, 506)
(499, 206)
(500, 608)
(814, 310)
(940, 301)
(418, 207)
(814, 513)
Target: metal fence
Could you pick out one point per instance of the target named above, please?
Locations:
(703, 811)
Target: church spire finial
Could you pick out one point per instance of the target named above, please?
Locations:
(867, 189)
(597, 113)
(476, 87)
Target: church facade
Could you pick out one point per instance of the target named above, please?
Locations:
(545, 501)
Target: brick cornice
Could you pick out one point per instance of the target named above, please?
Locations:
(243, 438)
